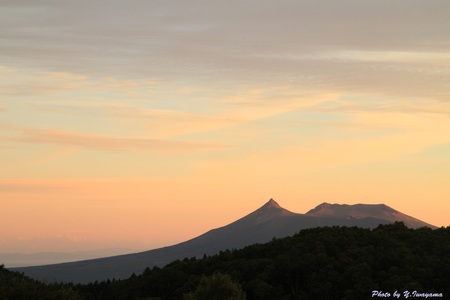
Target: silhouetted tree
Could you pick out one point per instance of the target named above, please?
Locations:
(217, 287)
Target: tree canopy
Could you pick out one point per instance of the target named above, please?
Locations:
(319, 263)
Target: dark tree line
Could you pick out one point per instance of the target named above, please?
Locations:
(16, 286)
(319, 263)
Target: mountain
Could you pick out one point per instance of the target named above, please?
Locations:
(260, 226)
(15, 259)
(365, 211)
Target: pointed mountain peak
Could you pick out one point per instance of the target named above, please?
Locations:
(272, 203)
(270, 210)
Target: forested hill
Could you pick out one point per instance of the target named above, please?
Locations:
(318, 263)
(16, 286)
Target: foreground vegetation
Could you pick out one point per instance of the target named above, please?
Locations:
(16, 286)
(319, 263)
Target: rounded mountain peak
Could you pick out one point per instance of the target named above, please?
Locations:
(324, 208)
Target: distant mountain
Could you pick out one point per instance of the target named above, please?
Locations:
(260, 226)
(365, 211)
(15, 259)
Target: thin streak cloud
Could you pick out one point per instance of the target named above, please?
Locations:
(100, 142)
(8, 186)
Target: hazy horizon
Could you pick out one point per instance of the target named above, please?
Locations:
(270, 209)
(142, 124)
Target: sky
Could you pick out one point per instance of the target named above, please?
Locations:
(140, 124)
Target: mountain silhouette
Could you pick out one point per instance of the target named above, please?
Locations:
(363, 211)
(268, 222)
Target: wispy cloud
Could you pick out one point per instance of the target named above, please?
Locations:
(364, 103)
(244, 105)
(441, 58)
(319, 155)
(17, 81)
(8, 186)
(200, 44)
(101, 142)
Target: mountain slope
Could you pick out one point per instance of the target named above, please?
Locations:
(361, 211)
(267, 222)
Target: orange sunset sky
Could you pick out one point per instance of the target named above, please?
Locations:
(140, 124)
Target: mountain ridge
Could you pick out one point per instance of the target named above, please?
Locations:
(359, 211)
(260, 226)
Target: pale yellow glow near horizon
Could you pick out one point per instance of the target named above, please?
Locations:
(70, 215)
